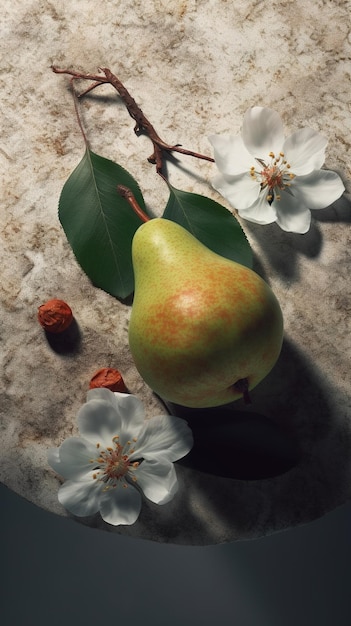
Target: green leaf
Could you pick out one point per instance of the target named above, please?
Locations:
(210, 223)
(99, 223)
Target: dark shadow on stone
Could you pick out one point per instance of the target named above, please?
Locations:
(236, 444)
(68, 342)
(282, 249)
(339, 211)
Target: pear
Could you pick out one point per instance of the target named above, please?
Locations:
(203, 330)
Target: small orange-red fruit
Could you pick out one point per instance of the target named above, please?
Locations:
(109, 378)
(55, 316)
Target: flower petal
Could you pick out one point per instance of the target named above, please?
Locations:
(292, 215)
(262, 132)
(260, 212)
(164, 436)
(230, 154)
(132, 414)
(305, 150)
(129, 408)
(98, 421)
(240, 191)
(120, 505)
(73, 458)
(318, 189)
(158, 480)
(80, 498)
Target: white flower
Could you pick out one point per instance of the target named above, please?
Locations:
(271, 179)
(118, 454)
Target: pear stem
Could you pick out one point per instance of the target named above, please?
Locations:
(126, 193)
(242, 386)
(142, 123)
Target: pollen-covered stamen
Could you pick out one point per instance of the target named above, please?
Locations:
(113, 462)
(274, 176)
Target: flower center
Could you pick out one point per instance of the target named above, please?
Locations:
(113, 463)
(274, 176)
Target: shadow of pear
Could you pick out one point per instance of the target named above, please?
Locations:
(233, 443)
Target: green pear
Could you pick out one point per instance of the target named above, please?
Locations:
(203, 329)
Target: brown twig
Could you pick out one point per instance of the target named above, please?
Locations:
(76, 108)
(142, 124)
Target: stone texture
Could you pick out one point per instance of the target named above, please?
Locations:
(194, 67)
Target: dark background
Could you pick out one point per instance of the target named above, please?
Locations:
(57, 572)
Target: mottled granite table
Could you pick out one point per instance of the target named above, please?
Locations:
(194, 67)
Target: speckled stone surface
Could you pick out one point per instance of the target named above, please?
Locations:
(194, 67)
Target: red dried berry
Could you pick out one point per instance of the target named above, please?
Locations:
(55, 316)
(109, 378)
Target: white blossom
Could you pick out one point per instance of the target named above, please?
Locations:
(268, 178)
(118, 455)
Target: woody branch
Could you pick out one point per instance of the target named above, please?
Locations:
(142, 124)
